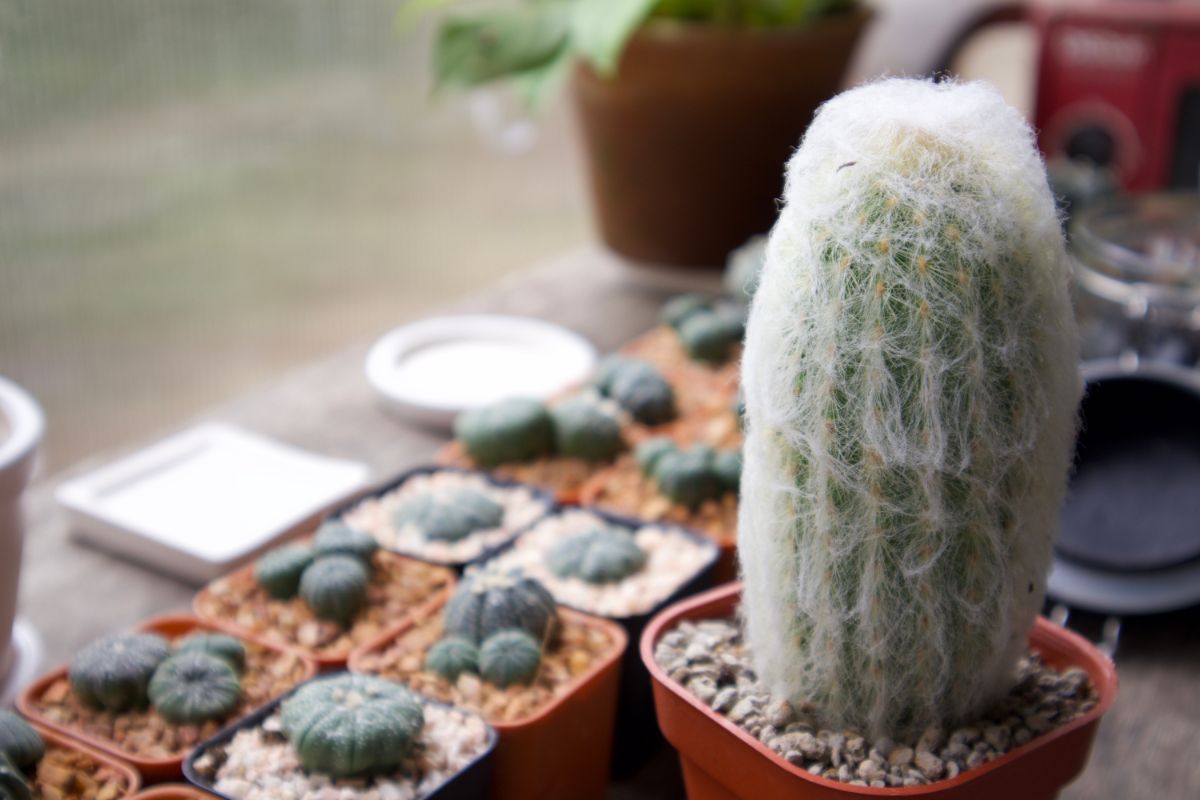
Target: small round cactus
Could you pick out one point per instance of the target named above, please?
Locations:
(583, 428)
(337, 538)
(641, 390)
(650, 451)
(727, 465)
(712, 335)
(19, 742)
(13, 785)
(347, 726)
(689, 477)
(489, 600)
(509, 431)
(601, 555)
(335, 588)
(278, 572)
(509, 657)
(112, 673)
(225, 647)
(193, 687)
(679, 308)
(451, 657)
(450, 515)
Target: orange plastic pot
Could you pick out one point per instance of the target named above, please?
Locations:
(53, 738)
(174, 791)
(565, 748)
(721, 761)
(326, 662)
(154, 770)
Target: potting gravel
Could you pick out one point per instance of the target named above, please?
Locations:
(259, 764)
(710, 659)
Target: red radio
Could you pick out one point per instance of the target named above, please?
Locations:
(1118, 82)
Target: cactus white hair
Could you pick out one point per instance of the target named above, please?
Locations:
(911, 387)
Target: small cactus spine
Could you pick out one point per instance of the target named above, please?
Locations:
(911, 384)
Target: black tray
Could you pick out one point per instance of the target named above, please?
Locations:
(637, 737)
(404, 477)
(469, 783)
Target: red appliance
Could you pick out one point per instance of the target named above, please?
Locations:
(1118, 81)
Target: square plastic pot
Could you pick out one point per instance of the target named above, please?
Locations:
(325, 662)
(563, 750)
(53, 738)
(468, 783)
(154, 770)
(458, 566)
(721, 761)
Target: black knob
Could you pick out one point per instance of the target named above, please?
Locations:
(1094, 143)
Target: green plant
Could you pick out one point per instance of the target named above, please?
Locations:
(509, 431)
(728, 467)
(584, 428)
(338, 538)
(450, 515)
(508, 657)
(650, 451)
(278, 572)
(347, 726)
(533, 42)
(678, 308)
(601, 555)
(451, 657)
(911, 385)
(19, 742)
(638, 388)
(227, 648)
(193, 687)
(13, 785)
(490, 600)
(335, 588)
(712, 334)
(689, 477)
(112, 673)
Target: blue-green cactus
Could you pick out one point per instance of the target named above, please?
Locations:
(491, 599)
(510, 657)
(335, 537)
(679, 308)
(650, 451)
(689, 477)
(512, 430)
(278, 572)
(601, 555)
(450, 515)
(13, 785)
(335, 588)
(19, 741)
(112, 673)
(228, 648)
(712, 335)
(451, 657)
(642, 390)
(192, 687)
(583, 428)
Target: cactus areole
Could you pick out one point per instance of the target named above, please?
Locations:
(911, 386)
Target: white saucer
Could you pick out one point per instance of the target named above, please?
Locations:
(431, 371)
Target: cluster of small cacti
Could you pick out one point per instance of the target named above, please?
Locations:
(689, 477)
(601, 555)
(331, 576)
(586, 426)
(709, 329)
(450, 515)
(197, 680)
(21, 748)
(348, 726)
(911, 383)
(637, 387)
(495, 625)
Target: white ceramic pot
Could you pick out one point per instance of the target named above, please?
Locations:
(21, 428)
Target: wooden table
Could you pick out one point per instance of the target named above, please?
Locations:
(1148, 746)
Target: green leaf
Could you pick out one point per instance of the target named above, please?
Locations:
(495, 44)
(536, 85)
(411, 11)
(600, 29)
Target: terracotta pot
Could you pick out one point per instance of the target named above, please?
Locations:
(721, 761)
(565, 748)
(154, 770)
(686, 145)
(173, 791)
(53, 738)
(325, 661)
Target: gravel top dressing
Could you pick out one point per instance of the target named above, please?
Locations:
(710, 660)
(64, 774)
(259, 764)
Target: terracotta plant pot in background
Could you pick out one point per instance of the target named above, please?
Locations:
(154, 770)
(721, 761)
(686, 145)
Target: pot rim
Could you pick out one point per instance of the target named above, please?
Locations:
(1044, 633)
(171, 791)
(667, 30)
(26, 424)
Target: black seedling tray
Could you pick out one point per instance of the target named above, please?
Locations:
(470, 783)
(460, 566)
(637, 734)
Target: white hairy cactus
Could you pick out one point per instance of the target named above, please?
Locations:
(911, 389)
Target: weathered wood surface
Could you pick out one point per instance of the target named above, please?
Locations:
(1148, 747)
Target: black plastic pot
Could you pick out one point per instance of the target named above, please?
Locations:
(459, 566)
(637, 735)
(469, 783)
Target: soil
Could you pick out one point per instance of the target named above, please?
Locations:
(561, 476)
(572, 654)
(65, 774)
(398, 586)
(146, 735)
